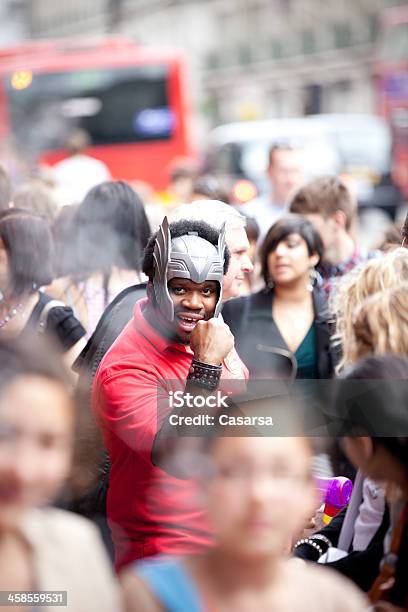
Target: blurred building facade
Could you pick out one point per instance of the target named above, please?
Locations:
(246, 58)
(14, 14)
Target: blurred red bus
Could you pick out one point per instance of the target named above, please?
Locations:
(391, 75)
(130, 100)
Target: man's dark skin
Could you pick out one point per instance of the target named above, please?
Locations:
(210, 340)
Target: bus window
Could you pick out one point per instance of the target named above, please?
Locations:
(116, 105)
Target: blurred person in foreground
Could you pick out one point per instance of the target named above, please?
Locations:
(328, 204)
(259, 492)
(110, 232)
(43, 548)
(376, 442)
(5, 189)
(288, 319)
(75, 175)
(285, 174)
(175, 341)
(26, 266)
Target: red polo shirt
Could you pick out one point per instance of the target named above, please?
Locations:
(149, 512)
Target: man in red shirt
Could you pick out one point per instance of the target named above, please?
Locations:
(174, 341)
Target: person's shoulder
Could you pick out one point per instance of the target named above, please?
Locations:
(68, 551)
(58, 526)
(62, 165)
(328, 588)
(137, 593)
(129, 355)
(124, 353)
(234, 304)
(95, 164)
(236, 307)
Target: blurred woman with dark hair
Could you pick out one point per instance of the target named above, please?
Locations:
(287, 324)
(26, 257)
(111, 231)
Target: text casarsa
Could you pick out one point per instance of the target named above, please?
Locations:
(256, 421)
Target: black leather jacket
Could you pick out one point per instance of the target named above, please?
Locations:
(256, 334)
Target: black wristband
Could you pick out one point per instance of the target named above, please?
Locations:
(204, 374)
(306, 552)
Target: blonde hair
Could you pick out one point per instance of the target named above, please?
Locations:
(387, 272)
(381, 324)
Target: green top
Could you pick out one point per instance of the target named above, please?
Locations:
(306, 355)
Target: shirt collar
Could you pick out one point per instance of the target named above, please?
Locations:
(328, 270)
(151, 334)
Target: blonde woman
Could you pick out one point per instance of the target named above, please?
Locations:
(381, 324)
(375, 276)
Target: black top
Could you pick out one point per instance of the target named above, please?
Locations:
(61, 324)
(362, 567)
(260, 344)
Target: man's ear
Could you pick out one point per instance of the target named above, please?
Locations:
(340, 219)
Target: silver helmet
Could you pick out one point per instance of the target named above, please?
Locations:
(188, 256)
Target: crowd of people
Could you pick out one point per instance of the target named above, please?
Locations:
(152, 453)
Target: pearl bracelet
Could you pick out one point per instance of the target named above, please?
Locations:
(309, 542)
(322, 538)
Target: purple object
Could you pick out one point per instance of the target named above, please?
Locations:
(335, 491)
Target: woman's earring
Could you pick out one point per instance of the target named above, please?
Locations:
(270, 283)
(313, 277)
